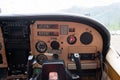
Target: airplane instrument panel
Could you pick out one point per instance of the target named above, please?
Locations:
(27, 42)
(49, 38)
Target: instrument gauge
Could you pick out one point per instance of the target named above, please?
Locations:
(55, 45)
(41, 46)
(86, 38)
(40, 58)
(71, 39)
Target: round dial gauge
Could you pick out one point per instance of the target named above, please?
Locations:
(55, 45)
(41, 58)
(86, 38)
(71, 39)
(41, 46)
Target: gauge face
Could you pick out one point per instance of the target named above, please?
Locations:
(55, 45)
(71, 39)
(41, 46)
(86, 38)
(41, 58)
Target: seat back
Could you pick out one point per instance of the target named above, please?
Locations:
(54, 70)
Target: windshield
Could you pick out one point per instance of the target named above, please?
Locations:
(105, 11)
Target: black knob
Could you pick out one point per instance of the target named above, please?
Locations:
(55, 45)
(55, 56)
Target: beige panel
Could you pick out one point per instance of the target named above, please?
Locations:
(2, 51)
(84, 66)
(94, 47)
(112, 73)
(113, 58)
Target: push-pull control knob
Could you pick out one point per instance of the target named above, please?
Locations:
(71, 39)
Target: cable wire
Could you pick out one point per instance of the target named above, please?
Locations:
(106, 66)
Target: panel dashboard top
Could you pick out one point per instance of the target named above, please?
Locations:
(64, 18)
(62, 34)
(32, 40)
(64, 39)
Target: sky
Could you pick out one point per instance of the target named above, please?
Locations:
(46, 6)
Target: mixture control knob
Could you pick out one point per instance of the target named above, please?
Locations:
(55, 56)
(71, 39)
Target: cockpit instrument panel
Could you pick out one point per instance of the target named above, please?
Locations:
(27, 42)
(64, 39)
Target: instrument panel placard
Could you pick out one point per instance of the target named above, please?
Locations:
(47, 26)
